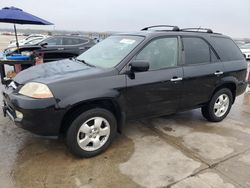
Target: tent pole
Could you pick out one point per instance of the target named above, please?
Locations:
(17, 44)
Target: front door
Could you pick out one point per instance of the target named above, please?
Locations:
(158, 90)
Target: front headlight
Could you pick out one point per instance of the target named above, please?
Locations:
(36, 90)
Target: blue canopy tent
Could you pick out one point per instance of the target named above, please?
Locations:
(18, 16)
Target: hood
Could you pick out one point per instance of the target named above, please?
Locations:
(53, 71)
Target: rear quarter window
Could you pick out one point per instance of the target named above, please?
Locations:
(74, 41)
(226, 49)
(81, 41)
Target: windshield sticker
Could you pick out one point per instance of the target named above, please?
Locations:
(127, 41)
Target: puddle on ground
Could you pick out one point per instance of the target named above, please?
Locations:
(11, 139)
(171, 127)
(47, 163)
(179, 126)
(210, 146)
(155, 163)
(210, 140)
(168, 129)
(229, 123)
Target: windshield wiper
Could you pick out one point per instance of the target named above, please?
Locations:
(82, 61)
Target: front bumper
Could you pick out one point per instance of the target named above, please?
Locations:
(247, 55)
(40, 116)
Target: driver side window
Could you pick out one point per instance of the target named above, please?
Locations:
(160, 53)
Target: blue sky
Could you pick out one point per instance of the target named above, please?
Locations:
(230, 17)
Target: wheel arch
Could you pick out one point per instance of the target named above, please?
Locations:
(231, 85)
(107, 103)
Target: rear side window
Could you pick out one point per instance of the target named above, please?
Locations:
(196, 50)
(73, 41)
(80, 41)
(54, 41)
(226, 49)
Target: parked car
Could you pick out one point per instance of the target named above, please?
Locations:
(34, 41)
(240, 42)
(246, 50)
(32, 36)
(28, 40)
(56, 47)
(124, 77)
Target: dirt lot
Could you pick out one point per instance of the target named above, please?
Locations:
(4, 41)
(178, 151)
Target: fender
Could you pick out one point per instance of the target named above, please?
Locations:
(226, 81)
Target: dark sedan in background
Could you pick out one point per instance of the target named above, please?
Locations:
(56, 47)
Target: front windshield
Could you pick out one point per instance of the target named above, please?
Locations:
(110, 51)
(245, 46)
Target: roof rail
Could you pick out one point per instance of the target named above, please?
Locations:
(199, 29)
(175, 28)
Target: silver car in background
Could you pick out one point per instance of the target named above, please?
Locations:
(245, 49)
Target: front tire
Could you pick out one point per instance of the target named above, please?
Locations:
(91, 132)
(219, 106)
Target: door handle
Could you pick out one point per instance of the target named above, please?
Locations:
(175, 79)
(218, 73)
(60, 48)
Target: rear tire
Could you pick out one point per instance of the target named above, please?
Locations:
(91, 132)
(219, 106)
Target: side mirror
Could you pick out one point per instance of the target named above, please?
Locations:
(139, 66)
(44, 44)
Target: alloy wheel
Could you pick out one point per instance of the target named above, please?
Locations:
(221, 105)
(93, 134)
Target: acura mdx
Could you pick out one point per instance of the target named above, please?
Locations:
(127, 76)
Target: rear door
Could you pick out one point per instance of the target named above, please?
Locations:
(202, 70)
(234, 62)
(54, 49)
(158, 90)
(74, 46)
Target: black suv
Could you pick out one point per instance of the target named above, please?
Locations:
(127, 76)
(55, 47)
